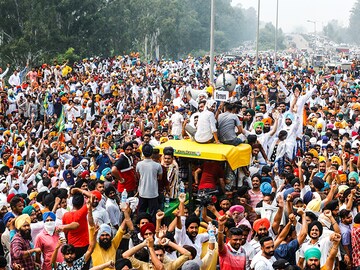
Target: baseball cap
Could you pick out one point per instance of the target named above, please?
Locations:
(281, 264)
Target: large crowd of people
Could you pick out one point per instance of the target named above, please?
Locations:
(83, 184)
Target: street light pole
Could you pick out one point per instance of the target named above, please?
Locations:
(314, 22)
(276, 30)
(212, 25)
(257, 37)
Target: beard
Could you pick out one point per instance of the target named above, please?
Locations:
(313, 267)
(192, 236)
(269, 254)
(262, 235)
(26, 234)
(266, 129)
(105, 244)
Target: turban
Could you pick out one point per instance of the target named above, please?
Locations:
(28, 210)
(104, 228)
(336, 159)
(261, 222)
(49, 214)
(288, 192)
(105, 171)
(33, 195)
(21, 220)
(312, 252)
(147, 226)
(342, 177)
(317, 224)
(314, 205)
(7, 217)
(84, 174)
(342, 188)
(266, 179)
(265, 188)
(318, 182)
(97, 194)
(9, 197)
(84, 160)
(121, 263)
(289, 115)
(105, 145)
(294, 181)
(354, 175)
(191, 219)
(257, 124)
(210, 103)
(238, 208)
(326, 186)
(314, 152)
(267, 121)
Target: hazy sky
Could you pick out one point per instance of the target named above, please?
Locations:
(293, 14)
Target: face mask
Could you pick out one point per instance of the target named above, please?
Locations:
(49, 227)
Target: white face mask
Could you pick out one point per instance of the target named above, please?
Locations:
(49, 227)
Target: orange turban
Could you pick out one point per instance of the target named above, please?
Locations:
(267, 121)
(261, 222)
(105, 145)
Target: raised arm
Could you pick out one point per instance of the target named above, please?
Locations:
(304, 229)
(335, 238)
(221, 242)
(180, 249)
(278, 216)
(132, 251)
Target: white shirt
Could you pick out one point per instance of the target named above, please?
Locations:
(206, 126)
(114, 212)
(259, 262)
(183, 239)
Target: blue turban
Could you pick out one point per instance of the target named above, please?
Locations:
(7, 217)
(104, 228)
(49, 214)
(265, 188)
(354, 175)
(312, 252)
(289, 115)
(105, 171)
(28, 210)
(266, 179)
(20, 163)
(288, 192)
(308, 197)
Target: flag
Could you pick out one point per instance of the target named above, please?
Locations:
(60, 124)
(45, 103)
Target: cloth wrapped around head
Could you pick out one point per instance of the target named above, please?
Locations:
(147, 226)
(238, 208)
(105, 145)
(354, 175)
(104, 228)
(257, 124)
(314, 205)
(7, 217)
(97, 194)
(49, 214)
(28, 210)
(105, 171)
(312, 252)
(261, 222)
(21, 220)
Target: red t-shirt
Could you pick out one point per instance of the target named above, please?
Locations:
(80, 236)
(211, 172)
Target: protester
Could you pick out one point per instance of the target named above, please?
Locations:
(78, 141)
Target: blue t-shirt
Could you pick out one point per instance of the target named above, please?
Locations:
(287, 251)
